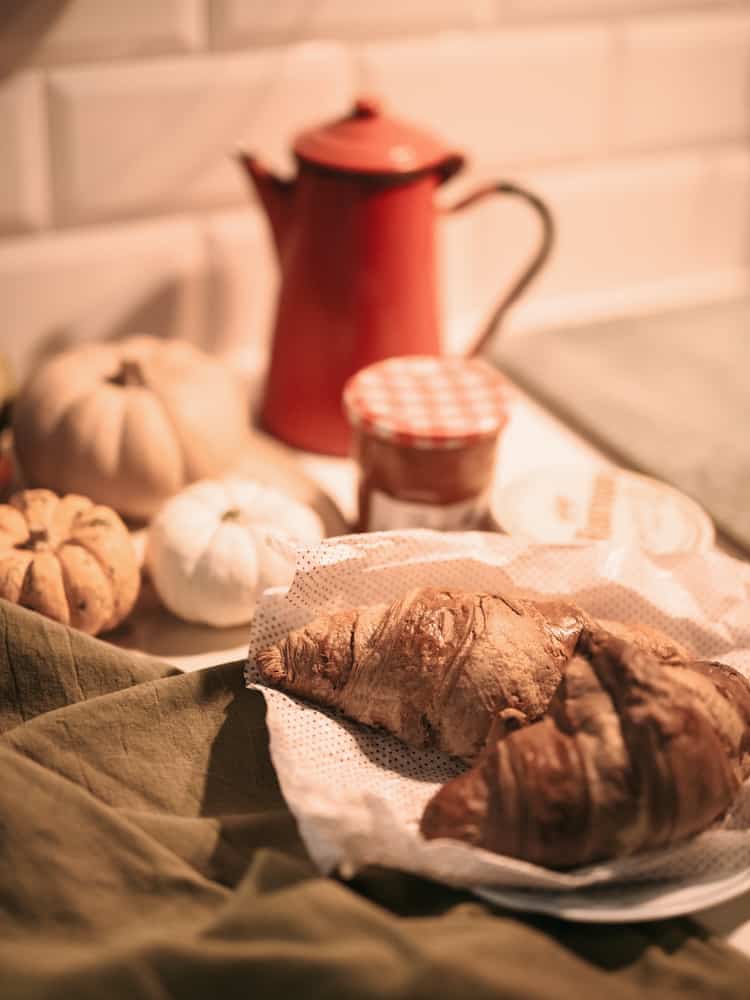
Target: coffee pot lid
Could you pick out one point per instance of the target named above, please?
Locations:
(368, 141)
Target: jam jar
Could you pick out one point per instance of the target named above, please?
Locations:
(425, 434)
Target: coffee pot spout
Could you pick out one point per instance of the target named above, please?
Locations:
(274, 193)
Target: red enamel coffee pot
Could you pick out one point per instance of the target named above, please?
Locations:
(355, 238)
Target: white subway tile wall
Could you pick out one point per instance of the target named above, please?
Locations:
(728, 222)
(684, 79)
(24, 200)
(515, 95)
(122, 208)
(71, 31)
(640, 227)
(239, 22)
(60, 288)
(242, 277)
(529, 9)
(178, 124)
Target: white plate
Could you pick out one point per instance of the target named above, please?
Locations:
(622, 904)
(358, 794)
(572, 505)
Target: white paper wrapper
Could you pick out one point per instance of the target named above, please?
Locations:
(358, 794)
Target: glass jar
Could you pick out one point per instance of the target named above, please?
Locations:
(425, 434)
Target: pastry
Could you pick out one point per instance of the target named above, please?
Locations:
(632, 754)
(436, 668)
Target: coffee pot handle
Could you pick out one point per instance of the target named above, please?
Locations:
(533, 266)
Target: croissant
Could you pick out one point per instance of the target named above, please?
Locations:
(632, 754)
(433, 668)
(436, 668)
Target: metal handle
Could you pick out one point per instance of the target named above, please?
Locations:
(535, 264)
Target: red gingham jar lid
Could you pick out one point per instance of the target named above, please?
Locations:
(427, 402)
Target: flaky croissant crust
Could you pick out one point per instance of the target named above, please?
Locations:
(632, 754)
(434, 668)
(438, 668)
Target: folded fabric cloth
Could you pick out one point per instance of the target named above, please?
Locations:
(146, 852)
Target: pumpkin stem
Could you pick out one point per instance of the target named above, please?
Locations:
(38, 539)
(233, 514)
(130, 373)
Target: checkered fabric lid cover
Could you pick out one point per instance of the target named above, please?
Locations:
(427, 402)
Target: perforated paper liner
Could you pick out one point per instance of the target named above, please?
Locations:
(358, 793)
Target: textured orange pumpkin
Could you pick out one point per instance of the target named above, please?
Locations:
(129, 423)
(67, 558)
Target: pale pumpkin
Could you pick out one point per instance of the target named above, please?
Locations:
(129, 423)
(213, 548)
(67, 558)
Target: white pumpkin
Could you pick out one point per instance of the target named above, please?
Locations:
(129, 423)
(214, 547)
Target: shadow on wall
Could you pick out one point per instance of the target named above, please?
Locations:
(157, 314)
(23, 25)
(215, 337)
(210, 307)
(216, 308)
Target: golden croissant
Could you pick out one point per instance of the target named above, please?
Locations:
(632, 754)
(438, 668)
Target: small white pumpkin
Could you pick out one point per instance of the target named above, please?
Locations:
(215, 546)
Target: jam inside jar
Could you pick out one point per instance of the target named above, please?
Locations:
(425, 433)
